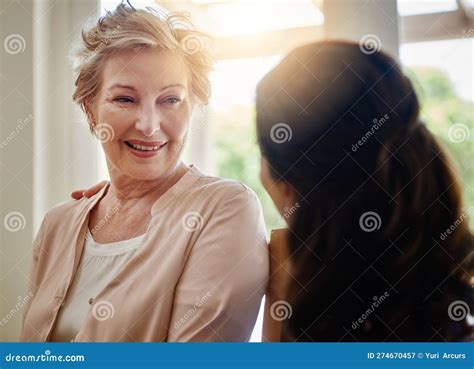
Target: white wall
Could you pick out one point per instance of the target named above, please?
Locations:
(376, 21)
(46, 149)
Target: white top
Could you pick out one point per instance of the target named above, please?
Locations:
(99, 264)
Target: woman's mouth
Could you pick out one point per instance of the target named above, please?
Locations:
(144, 149)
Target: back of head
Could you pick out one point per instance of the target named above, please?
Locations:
(376, 192)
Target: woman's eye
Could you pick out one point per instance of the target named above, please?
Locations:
(173, 100)
(124, 99)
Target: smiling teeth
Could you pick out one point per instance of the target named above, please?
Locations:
(145, 148)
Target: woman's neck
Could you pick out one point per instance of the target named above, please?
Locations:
(124, 189)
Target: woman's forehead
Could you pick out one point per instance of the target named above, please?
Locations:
(151, 68)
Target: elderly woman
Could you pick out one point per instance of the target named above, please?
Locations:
(163, 252)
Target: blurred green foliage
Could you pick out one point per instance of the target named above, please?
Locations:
(238, 156)
(442, 109)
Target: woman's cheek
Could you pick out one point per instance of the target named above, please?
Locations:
(119, 121)
(174, 131)
(178, 127)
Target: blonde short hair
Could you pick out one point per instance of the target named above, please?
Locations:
(129, 28)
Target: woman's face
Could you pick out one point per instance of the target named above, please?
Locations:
(142, 112)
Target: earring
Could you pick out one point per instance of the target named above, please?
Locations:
(92, 127)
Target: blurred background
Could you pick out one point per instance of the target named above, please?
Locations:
(46, 149)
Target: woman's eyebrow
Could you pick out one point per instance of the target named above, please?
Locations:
(172, 85)
(119, 85)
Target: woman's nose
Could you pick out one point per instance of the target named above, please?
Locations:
(149, 121)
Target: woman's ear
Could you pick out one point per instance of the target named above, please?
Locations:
(87, 107)
(287, 193)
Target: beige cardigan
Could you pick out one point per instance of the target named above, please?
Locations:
(199, 274)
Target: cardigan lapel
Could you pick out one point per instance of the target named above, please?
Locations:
(76, 238)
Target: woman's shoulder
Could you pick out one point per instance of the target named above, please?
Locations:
(69, 211)
(222, 189)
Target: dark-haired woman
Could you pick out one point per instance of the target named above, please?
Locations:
(379, 241)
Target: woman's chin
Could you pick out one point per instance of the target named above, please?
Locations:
(141, 169)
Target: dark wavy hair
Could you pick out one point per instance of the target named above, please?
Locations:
(380, 246)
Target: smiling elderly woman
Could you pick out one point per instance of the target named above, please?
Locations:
(164, 252)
